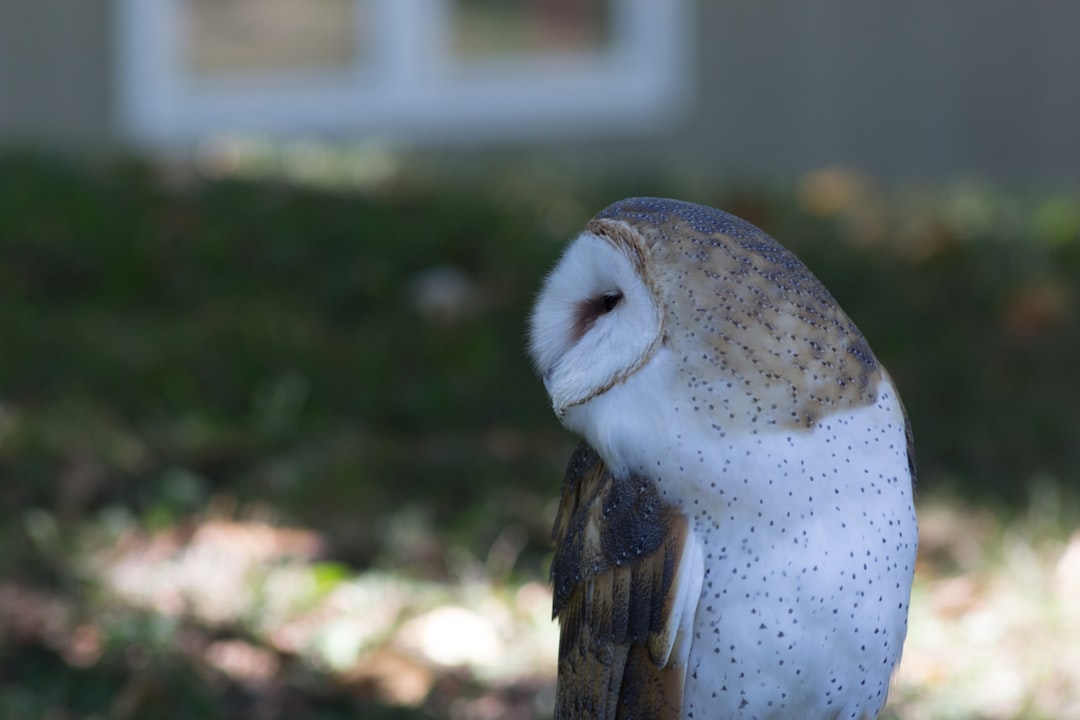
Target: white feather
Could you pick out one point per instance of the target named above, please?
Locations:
(573, 370)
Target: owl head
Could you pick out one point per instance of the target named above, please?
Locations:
(597, 318)
(753, 334)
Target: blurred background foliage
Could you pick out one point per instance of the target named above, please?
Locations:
(189, 360)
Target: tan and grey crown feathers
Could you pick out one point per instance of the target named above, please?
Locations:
(740, 306)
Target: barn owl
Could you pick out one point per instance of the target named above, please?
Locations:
(736, 535)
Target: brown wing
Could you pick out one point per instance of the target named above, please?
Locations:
(624, 592)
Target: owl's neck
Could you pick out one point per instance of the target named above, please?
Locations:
(626, 424)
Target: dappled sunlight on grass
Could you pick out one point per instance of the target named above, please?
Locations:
(994, 631)
(994, 627)
(263, 591)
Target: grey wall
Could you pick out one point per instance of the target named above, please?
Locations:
(924, 88)
(54, 73)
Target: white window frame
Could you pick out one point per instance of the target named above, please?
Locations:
(410, 87)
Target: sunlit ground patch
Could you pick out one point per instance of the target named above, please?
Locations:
(994, 627)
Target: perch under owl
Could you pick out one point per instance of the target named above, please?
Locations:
(736, 535)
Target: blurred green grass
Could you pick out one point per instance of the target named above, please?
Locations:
(261, 338)
(170, 342)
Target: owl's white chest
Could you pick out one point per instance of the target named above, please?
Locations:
(808, 540)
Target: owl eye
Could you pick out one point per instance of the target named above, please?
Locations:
(589, 310)
(611, 301)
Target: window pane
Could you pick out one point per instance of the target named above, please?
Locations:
(530, 27)
(261, 36)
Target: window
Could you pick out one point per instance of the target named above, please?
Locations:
(254, 37)
(409, 69)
